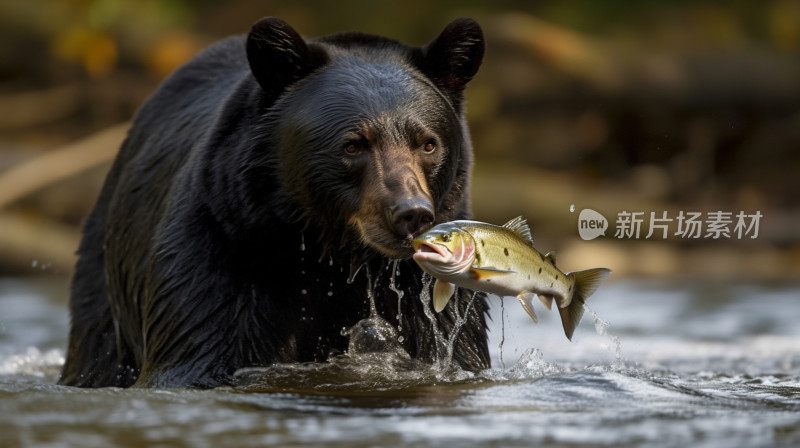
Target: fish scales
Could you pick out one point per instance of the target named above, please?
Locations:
(507, 250)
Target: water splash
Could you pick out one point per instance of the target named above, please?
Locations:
(33, 363)
(375, 357)
(355, 268)
(371, 335)
(395, 272)
(373, 310)
(600, 325)
(375, 360)
(425, 297)
(460, 321)
(444, 347)
(601, 328)
(531, 365)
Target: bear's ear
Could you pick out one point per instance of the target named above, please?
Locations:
(278, 56)
(453, 58)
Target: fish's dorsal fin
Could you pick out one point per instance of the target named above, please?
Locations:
(520, 226)
(551, 257)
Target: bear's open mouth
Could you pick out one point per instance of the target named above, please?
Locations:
(402, 249)
(376, 235)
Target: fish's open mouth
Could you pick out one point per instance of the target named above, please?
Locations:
(427, 251)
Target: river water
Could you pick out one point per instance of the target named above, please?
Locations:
(690, 365)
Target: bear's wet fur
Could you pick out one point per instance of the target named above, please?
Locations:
(262, 193)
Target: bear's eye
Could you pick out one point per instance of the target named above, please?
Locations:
(429, 147)
(354, 147)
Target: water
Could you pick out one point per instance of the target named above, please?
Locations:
(695, 365)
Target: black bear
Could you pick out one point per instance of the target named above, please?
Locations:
(252, 188)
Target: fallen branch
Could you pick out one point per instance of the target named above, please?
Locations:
(39, 243)
(36, 108)
(32, 175)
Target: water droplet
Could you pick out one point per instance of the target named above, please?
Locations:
(400, 339)
(330, 293)
(302, 242)
(502, 333)
(303, 309)
(303, 292)
(572, 208)
(330, 261)
(600, 326)
(354, 268)
(35, 262)
(397, 291)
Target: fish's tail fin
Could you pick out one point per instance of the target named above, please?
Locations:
(586, 283)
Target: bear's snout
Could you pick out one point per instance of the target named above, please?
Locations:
(410, 216)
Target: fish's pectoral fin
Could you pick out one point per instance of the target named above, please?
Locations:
(487, 272)
(547, 300)
(526, 299)
(442, 291)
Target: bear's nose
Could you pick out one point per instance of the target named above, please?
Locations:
(410, 216)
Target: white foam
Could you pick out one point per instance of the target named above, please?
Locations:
(33, 362)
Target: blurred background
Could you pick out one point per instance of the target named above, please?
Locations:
(615, 106)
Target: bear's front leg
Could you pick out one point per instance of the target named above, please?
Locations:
(203, 317)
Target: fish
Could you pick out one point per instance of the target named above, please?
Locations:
(502, 260)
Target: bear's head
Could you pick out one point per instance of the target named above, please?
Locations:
(370, 136)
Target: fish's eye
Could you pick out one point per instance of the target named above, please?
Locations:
(429, 147)
(446, 237)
